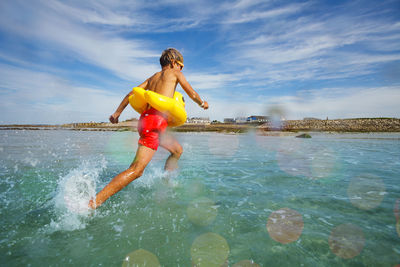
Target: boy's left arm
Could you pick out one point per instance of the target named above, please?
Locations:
(190, 91)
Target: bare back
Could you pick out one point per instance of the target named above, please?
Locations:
(163, 82)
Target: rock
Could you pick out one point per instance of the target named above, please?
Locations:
(304, 136)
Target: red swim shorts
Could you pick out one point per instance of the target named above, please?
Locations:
(152, 123)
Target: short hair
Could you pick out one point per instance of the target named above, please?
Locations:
(168, 55)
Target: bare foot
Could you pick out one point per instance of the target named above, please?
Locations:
(92, 204)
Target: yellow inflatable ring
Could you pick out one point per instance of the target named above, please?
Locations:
(174, 107)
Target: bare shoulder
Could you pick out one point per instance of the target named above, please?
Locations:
(172, 72)
(155, 76)
(169, 76)
(180, 76)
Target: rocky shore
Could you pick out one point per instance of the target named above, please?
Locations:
(345, 125)
(337, 125)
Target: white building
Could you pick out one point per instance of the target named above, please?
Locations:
(198, 120)
(241, 119)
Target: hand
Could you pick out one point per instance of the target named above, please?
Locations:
(205, 106)
(114, 118)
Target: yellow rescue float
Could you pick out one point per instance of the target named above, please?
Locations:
(174, 107)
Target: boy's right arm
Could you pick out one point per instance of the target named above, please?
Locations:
(190, 91)
(114, 117)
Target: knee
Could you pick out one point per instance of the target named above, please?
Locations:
(178, 151)
(140, 172)
(136, 169)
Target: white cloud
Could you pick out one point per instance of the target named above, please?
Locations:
(225, 108)
(245, 4)
(127, 59)
(358, 102)
(46, 98)
(97, 13)
(249, 16)
(286, 43)
(336, 45)
(214, 81)
(342, 103)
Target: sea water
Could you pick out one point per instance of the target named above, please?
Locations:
(332, 200)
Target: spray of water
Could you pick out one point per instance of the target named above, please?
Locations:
(73, 195)
(153, 175)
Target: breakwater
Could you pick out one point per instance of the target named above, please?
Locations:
(343, 125)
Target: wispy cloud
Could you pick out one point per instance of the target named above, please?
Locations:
(45, 98)
(241, 56)
(125, 58)
(343, 103)
(319, 46)
(241, 14)
(96, 12)
(212, 80)
(351, 102)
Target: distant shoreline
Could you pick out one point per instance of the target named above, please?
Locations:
(308, 125)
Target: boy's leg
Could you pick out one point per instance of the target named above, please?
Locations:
(142, 158)
(168, 142)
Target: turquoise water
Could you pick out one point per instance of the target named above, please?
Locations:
(271, 201)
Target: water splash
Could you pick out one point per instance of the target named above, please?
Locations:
(74, 192)
(153, 175)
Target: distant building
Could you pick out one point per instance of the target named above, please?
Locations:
(241, 119)
(198, 120)
(229, 120)
(258, 119)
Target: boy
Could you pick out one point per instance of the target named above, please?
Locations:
(152, 124)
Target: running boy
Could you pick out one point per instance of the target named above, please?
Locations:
(152, 124)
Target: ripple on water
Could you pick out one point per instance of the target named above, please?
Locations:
(229, 194)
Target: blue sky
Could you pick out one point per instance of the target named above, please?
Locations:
(74, 61)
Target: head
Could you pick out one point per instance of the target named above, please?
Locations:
(171, 56)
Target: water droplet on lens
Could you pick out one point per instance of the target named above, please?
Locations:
(209, 250)
(285, 225)
(347, 241)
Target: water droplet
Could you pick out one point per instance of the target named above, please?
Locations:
(141, 258)
(285, 225)
(209, 250)
(346, 241)
(366, 191)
